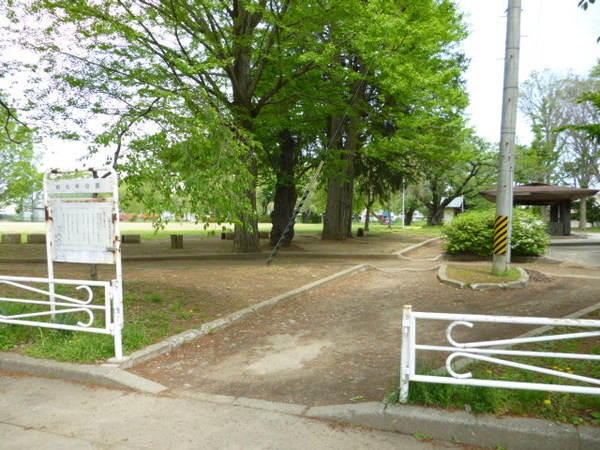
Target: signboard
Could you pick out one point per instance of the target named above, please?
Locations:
(83, 231)
(82, 216)
(82, 226)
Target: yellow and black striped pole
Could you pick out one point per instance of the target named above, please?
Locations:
(500, 245)
(506, 160)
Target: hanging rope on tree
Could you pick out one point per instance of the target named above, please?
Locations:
(292, 221)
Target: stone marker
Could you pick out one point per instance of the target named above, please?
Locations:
(37, 238)
(11, 238)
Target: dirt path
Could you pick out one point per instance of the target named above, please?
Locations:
(335, 344)
(341, 342)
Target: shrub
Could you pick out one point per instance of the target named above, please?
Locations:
(473, 232)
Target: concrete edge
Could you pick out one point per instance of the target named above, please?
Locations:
(462, 427)
(522, 282)
(106, 375)
(409, 249)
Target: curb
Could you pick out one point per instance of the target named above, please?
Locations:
(522, 282)
(106, 374)
(411, 248)
(462, 427)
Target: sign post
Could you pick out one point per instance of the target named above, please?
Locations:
(82, 226)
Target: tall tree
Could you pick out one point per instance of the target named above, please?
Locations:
(541, 99)
(197, 73)
(581, 158)
(400, 67)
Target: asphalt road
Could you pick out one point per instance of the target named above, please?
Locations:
(577, 253)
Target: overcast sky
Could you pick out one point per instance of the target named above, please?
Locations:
(555, 34)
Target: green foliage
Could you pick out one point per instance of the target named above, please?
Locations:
(195, 96)
(473, 232)
(20, 181)
(592, 211)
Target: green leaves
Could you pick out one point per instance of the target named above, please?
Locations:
(473, 233)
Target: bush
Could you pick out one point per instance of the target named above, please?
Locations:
(473, 232)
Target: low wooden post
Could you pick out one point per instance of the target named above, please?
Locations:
(177, 241)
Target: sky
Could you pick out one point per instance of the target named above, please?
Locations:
(555, 34)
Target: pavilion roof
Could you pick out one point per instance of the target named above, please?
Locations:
(542, 194)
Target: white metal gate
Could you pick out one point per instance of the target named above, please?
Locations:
(82, 226)
(489, 350)
(95, 314)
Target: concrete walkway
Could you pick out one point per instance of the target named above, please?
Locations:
(51, 414)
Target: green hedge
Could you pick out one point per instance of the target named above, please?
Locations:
(473, 232)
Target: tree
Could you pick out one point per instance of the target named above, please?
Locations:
(396, 86)
(542, 100)
(19, 178)
(382, 170)
(590, 96)
(182, 85)
(581, 158)
(464, 169)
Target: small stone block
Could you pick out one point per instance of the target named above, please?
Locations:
(11, 238)
(36, 238)
(131, 239)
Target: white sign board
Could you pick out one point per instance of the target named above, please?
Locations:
(83, 231)
(82, 217)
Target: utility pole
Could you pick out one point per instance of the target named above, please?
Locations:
(506, 165)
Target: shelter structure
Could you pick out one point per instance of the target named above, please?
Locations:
(454, 208)
(558, 198)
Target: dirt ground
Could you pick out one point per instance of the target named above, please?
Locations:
(341, 342)
(337, 343)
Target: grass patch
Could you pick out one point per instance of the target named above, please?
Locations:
(474, 275)
(152, 311)
(571, 408)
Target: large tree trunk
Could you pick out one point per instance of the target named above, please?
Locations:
(337, 224)
(408, 215)
(435, 215)
(246, 237)
(285, 190)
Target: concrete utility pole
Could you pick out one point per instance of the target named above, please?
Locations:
(506, 165)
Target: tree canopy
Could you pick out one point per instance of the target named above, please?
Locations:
(199, 101)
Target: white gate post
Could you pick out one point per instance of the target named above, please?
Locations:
(118, 319)
(406, 352)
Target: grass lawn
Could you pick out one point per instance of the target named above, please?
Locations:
(147, 232)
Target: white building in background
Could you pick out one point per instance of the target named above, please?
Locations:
(9, 210)
(454, 208)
